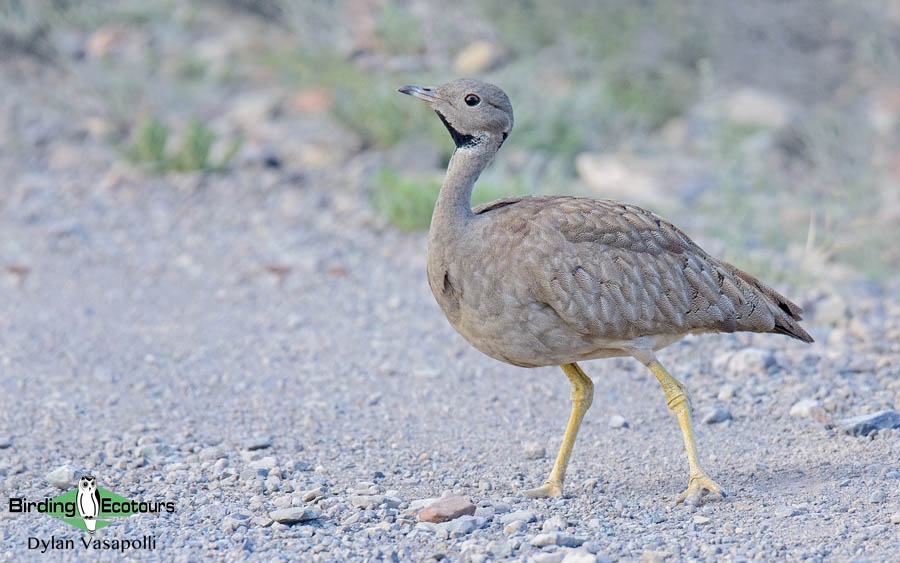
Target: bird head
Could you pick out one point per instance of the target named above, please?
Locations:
(472, 110)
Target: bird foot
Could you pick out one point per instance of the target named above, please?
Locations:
(547, 490)
(698, 485)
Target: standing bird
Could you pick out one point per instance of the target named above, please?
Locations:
(88, 500)
(546, 280)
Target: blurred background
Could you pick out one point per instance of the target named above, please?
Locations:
(770, 131)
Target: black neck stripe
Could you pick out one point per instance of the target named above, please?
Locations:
(462, 141)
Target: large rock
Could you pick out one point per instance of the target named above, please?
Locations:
(866, 424)
(447, 508)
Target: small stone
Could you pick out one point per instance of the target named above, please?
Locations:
(868, 423)
(459, 526)
(784, 511)
(257, 444)
(802, 407)
(818, 415)
(717, 415)
(534, 450)
(700, 520)
(649, 556)
(557, 538)
(312, 494)
(554, 523)
(64, 476)
(364, 501)
(543, 540)
(895, 518)
(515, 527)
(580, 556)
(550, 557)
(523, 515)
(5, 442)
(447, 508)
(751, 360)
(269, 462)
(486, 512)
(877, 497)
(726, 392)
(294, 515)
(419, 504)
(617, 421)
(283, 501)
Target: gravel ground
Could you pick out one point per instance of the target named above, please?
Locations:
(251, 341)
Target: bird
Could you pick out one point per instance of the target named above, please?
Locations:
(537, 280)
(88, 500)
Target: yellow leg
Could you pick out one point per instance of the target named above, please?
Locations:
(582, 397)
(678, 400)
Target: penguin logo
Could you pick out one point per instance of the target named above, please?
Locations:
(88, 501)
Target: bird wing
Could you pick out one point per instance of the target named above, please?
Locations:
(619, 271)
(96, 502)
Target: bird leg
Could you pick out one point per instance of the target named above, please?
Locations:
(679, 401)
(582, 397)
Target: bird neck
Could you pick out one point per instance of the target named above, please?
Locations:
(454, 204)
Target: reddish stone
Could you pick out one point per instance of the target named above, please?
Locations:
(447, 508)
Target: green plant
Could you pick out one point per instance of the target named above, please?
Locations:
(193, 152)
(408, 201)
(150, 143)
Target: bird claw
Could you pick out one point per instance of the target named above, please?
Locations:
(698, 485)
(547, 490)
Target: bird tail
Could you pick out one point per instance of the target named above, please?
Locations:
(786, 313)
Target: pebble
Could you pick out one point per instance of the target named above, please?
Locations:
(64, 476)
(552, 557)
(701, 520)
(895, 518)
(877, 497)
(717, 415)
(448, 507)
(534, 450)
(726, 392)
(784, 511)
(554, 523)
(557, 538)
(5, 442)
(580, 556)
(269, 462)
(803, 407)
(459, 526)
(868, 423)
(259, 443)
(515, 527)
(617, 421)
(370, 501)
(751, 361)
(312, 494)
(523, 515)
(650, 556)
(294, 515)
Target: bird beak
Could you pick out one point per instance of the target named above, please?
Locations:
(422, 92)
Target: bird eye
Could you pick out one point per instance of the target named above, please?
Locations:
(472, 100)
